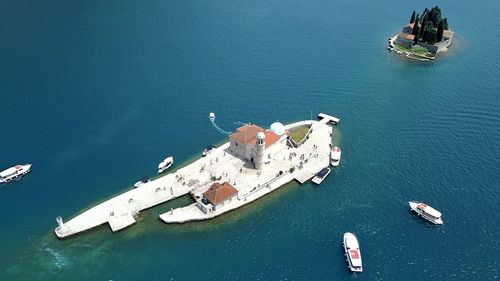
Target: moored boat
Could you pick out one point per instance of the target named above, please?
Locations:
(335, 156)
(207, 150)
(14, 173)
(352, 252)
(321, 175)
(141, 182)
(426, 211)
(165, 164)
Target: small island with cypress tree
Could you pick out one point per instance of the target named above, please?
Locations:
(424, 37)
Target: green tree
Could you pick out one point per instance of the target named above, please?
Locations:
(423, 27)
(431, 36)
(440, 29)
(435, 16)
(445, 24)
(412, 19)
(416, 31)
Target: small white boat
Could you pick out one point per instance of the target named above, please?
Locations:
(211, 116)
(335, 156)
(321, 175)
(141, 182)
(165, 164)
(207, 150)
(14, 173)
(352, 252)
(426, 211)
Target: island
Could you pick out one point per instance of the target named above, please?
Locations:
(424, 37)
(254, 162)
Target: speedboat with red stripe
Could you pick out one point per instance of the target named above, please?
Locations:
(426, 212)
(335, 156)
(352, 252)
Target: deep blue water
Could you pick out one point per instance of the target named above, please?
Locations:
(96, 93)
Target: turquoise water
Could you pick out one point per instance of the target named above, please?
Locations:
(96, 93)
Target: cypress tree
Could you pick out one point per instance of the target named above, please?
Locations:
(431, 35)
(445, 24)
(423, 27)
(416, 31)
(425, 14)
(440, 29)
(412, 19)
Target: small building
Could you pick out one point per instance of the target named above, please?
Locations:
(405, 39)
(215, 196)
(408, 29)
(257, 145)
(448, 35)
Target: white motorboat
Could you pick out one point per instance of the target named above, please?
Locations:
(426, 211)
(165, 164)
(141, 182)
(352, 252)
(211, 116)
(321, 175)
(207, 150)
(335, 156)
(14, 173)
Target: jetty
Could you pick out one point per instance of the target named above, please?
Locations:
(252, 164)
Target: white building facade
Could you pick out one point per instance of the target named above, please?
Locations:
(257, 145)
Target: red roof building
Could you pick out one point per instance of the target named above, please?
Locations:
(248, 134)
(219, 193)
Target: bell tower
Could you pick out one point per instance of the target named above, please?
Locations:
(260, 150)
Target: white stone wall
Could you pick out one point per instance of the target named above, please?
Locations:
(241, 149)
(225, 201)
(249, 151)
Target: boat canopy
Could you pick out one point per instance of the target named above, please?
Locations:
(432, 212)
(10, 171)
(323, 172)
(429, 210)
(165, 162)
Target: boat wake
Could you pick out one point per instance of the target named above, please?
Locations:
(222, 131)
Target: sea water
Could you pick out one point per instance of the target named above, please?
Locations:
(96, 93)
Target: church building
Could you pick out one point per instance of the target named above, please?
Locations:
(257, 145)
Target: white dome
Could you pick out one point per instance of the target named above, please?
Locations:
(261, 135)
(277, 128)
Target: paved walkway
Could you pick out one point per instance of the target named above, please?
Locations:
(308, 159)
(119, 211)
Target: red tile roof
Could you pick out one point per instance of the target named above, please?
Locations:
(271, 138)
(218, 193)
(248, 134)
(406, 36)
